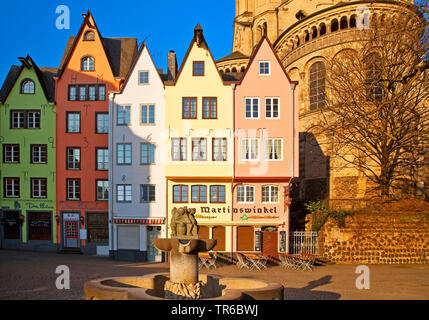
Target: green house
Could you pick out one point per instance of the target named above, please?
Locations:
(27, 168)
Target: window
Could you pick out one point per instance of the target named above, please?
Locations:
(219, 149)
(89, 36)
(178, 149)
(87, 64)
(180, 194)
(148, 114)
(372, 81)
(189, 108)
(11, 187)
(217, 194)
(147, 153)
(199, 149)
(73, 158)
(87, 92)
(264, 67)
(198, 68)
(143, 77)
(270, 194)
(102, 122)
(28, 87)
(39, 226)
(11, 225)
(91, 93)
(39, 153)
(272, 108)
(73, 189)
(273, 149)
(199, 194)
(209, 108)
(98, 227)
(124, 193)
(39, 188)
(147, 193)
(252, 108)
(25, 119)
(249, 149)
(102, 158)
(317, 85)
(245, 194)
(124, 153)
(102, 193)
(72, 93)
(11, 153)
(124, 115)
(73, 122)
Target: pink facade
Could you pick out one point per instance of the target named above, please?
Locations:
(266, 152)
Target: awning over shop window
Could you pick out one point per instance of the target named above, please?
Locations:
(139, 221)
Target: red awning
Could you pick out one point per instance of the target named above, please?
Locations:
(139, 221)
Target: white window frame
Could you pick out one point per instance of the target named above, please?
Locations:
(125, 107)
(37, 188)
(242, 140)
(148, 105)
(125, 193)
(272, 108)
(105, 184)
(270, 193)
(251, 108)
(74, 188)
(269, 68)
(246, 187)
(267, 152)
(125, 144)
(15, 192)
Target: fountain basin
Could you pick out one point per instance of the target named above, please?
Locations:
(151, 287)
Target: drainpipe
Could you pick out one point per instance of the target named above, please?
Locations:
(111, 109)
(293, 129)
(233, 86)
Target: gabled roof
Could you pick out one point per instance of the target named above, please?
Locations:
(198, 37)
(162, 76)
(255, 52)
(119, 51)
(44, 75)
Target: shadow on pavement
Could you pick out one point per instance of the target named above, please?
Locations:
(307, 292)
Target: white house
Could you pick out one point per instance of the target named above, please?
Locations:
(137, 211)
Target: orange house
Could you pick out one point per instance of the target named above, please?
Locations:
(91, 67)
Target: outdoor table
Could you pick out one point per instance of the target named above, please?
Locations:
(256, 260)
(206, 260)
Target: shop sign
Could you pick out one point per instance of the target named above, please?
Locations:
(258, 240)
(255, 209)
(71, 216)
(282, 241)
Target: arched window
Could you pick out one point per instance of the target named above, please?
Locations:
(334, 25)
(87, 64)
(297, 41)
(234, 69)
(353, 21)
(89, 36)
(307, 36)
(314, 33)
(242, 69)
(227, 70)
(317, 85)
(322, 29)
(27, 86)
(373, 75)
(344, 23)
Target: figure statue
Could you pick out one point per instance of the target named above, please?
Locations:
(183, 222)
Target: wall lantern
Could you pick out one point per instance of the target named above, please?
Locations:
(57, 218)
(82, 219)
(21, 219)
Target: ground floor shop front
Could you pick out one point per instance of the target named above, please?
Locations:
(28, 225)
(131, 239)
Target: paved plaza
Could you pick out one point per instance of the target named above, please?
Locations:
(31, 275)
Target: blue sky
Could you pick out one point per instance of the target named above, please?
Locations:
(28, 27)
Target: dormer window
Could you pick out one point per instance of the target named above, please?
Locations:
(87, 64)
(27, 87)
(198, 68)
(89, 36)
(264, 68)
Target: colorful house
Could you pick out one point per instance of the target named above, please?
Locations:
(266, 153)
(200, 152)
(91, 67)
(137, 178)
(27, 137)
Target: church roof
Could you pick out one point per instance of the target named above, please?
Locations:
(233, 56)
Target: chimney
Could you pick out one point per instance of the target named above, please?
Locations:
(172, 65)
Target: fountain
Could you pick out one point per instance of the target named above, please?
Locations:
(184, 281)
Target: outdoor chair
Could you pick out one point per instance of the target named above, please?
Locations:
(307, 261)
(242, 262)
(212, 261)
(290, 261)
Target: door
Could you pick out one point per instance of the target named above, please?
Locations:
(71, 234)
(153, 254)
(269, 244)
(39, 226)
(11, 225)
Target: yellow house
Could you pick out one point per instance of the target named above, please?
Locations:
(200, 151)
